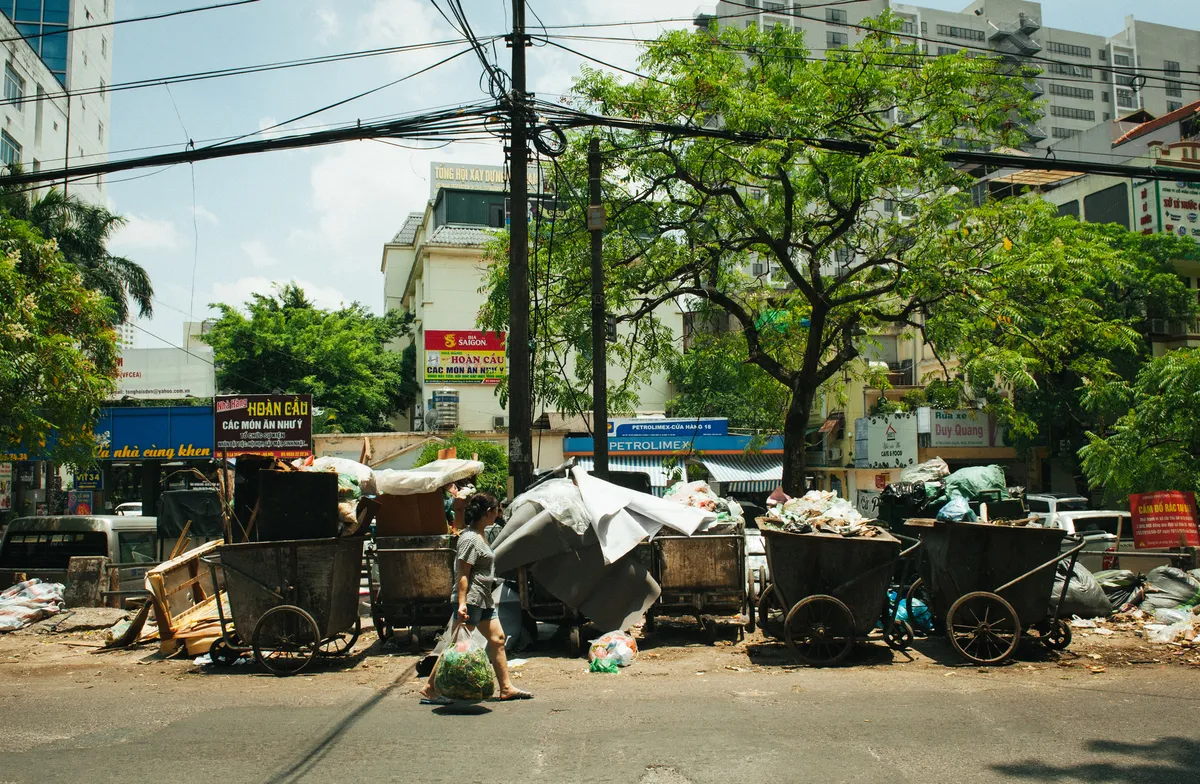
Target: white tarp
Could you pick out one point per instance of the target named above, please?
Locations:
(427, 478)
(27, 602)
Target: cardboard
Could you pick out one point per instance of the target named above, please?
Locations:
(422, 514)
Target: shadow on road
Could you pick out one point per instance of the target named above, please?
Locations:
(1164, 761)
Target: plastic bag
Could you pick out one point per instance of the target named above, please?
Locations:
(1122, 587)
(929, 471)
(602, 665)
(1169, 587)
(1168, 634)
(957, 510)
(616, 646)
(1085, 598)
(974, 481)
(464, 671)
(921, 618)
(1170, 616)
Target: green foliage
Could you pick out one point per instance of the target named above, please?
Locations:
(715, 379)
(494, 457)
(57, 348)
(83, 231)
(341, 357)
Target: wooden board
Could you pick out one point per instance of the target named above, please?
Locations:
(179, 586)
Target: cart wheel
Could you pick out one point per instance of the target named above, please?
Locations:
(900, 636)
(751, 601)
(918, 591)
(340, 644)
(382, 629)
(820, 630)
(1058, 638)
(286, 639)
(771, 613)
(574, 644)
(983, 627)
(222, 654)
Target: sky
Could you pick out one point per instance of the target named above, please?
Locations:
(218, 231)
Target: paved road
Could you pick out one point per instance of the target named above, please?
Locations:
(657, 723)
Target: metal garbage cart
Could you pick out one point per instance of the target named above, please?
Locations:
(703, 576)
(289, 601)
(829, 591)
(988, 584)
(411, 580)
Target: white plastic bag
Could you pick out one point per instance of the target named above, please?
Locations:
(464, 671)
(616, 646)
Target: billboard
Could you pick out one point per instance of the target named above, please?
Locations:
(1164, 519)
(962, 428)
(164, 373)
(278, 426)
(891, 442)
(705, 426)
(464, 357)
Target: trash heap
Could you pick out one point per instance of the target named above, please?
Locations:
(972, 494)
(699, 495)
(818, 511)
(1163, 605)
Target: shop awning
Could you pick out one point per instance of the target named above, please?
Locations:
(660, 478)
(745, 473)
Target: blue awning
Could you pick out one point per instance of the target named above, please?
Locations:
(745, 473)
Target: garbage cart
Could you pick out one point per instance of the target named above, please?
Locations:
(289, 601)
(703, 576)
(411, 580)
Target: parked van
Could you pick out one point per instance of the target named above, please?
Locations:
(43, 546)
(1108, 538)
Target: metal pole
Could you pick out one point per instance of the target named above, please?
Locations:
(595, 223)
(520, 414)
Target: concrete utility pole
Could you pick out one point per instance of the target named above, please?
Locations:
(595, 224)
(520, 413)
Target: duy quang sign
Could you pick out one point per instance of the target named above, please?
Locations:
(464, 357)
(165, 373)
(278, 426)
(959, 429)
(1166, 518)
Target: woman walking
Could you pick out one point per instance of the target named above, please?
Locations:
(475, 577)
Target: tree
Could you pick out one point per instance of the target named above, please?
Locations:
(715, 379)
(762, 177)
(494, 457)
(1155, 444)
(57, 349)
(83, 231)
(283, 342)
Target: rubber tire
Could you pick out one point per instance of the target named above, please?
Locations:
(1059, 637)
(221, 654)
(310, 641)
(840, 613)
(998, 603)
(900, 637)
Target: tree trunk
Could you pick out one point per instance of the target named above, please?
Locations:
(795, 433)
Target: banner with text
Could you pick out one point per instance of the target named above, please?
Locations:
(165, 373)
(464, 357)
(891, 442)
(278, 426)
(1164, 519)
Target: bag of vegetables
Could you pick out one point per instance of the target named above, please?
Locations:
(464, 671)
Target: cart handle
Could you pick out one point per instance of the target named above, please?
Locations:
(251, 578)
(915, 546)
(1074, 552)
(414, 550)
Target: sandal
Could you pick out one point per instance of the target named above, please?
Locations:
(519, 694)
(439, 700)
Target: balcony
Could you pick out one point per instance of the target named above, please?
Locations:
(1163, 329)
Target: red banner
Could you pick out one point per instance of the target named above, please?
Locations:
(1164, 519)
(464, 357)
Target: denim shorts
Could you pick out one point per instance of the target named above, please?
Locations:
(475, 614)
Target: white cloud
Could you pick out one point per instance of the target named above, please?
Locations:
(330, 25)
(403, 22)
(205, 215)
(240, 290)
(260, 256)
(142, 233)
(267, 130)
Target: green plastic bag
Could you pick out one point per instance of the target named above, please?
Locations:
(464, 671)
(974, 481)
(603, 665)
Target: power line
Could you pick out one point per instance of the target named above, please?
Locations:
(115, 22)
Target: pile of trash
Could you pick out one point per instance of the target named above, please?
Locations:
(818, 511)
(699, 495)
(611, 651)
(29, 601)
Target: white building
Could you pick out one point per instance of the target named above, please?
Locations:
(125, 334)
(1086, 79)
(434, 268)
(44, 127)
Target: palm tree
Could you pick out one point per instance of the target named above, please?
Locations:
(82, 231)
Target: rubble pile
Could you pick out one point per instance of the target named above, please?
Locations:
(699, 495)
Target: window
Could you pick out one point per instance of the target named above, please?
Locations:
(1102, 54)
(1174, 89)
(1072, 113)
(100, 131)
(1174, 106)
(50, 551)
(960, 32)
(1071, 92)
(836, 40)
(1107, 117)
(835, 16)
(103, 90)
(1070, 208)
(1037, 505)
(136, 547)
(1171, 67)
(106, 7)
(1065, 133)
(943, 50)
(1098, 525)
(924, 27)
(1125, 99)
(1070, 49)
(104, 47)
(10, 151)
(1104, 96)
(14, 86)
(1121, 59)
(1066, 69)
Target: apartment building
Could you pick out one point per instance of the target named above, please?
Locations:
(1086, 79)
(55, 108)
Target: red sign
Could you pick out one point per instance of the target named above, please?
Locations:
(881, 481)
(464, 357)
(1164, 519)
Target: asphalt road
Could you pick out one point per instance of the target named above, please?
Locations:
(660, 722)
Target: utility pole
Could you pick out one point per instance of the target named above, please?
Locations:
(520, 399)
(595, 224)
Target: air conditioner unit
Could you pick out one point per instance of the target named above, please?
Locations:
(499, 422)
(835, 454)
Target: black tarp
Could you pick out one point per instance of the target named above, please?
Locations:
(202, 507)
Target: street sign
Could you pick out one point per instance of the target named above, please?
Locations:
(1164, 519)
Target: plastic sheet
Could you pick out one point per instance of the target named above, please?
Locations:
(975, 481)
(1169, 587)
(957, 510)
(27, 602)
(427, 478)
(929, 471)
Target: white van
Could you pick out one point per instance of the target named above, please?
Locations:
(43, 546)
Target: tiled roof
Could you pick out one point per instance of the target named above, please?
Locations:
(408, 231)
(460, 236)
(1161, 122)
